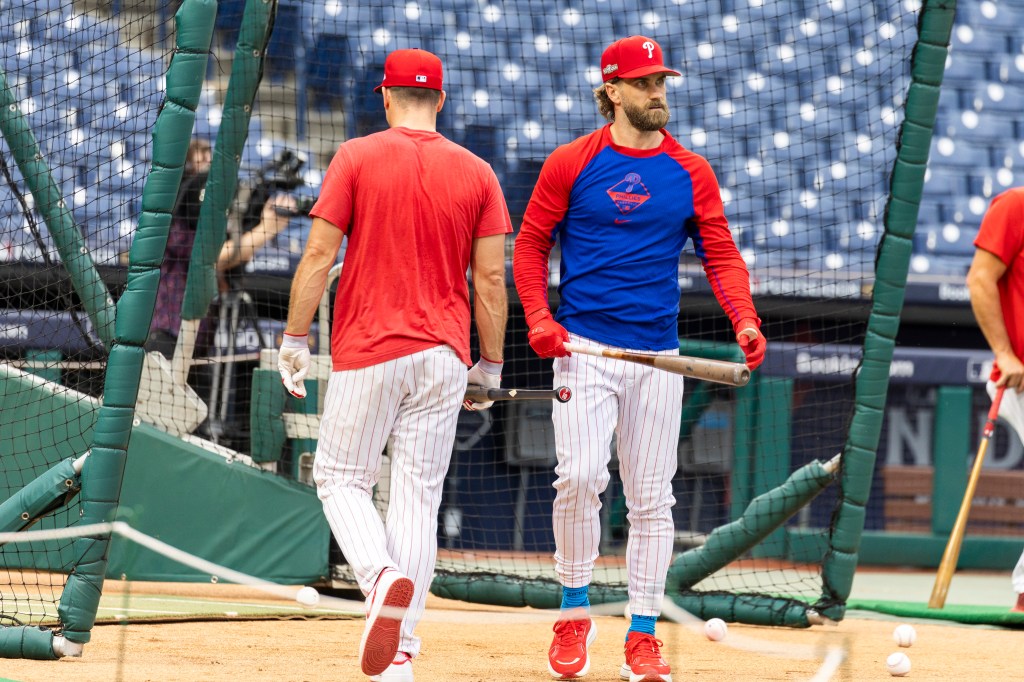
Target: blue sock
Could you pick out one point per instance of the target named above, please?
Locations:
(574, 597)
(642, 624)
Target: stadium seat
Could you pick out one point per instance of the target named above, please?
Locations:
(417, 18)
(963, 68)
(948, 239)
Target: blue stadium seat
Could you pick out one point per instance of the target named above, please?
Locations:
(417, 18)
(948, 239)
(585, 24)
(947, 152)
(82, 29)
(941, 181)
(963, 68)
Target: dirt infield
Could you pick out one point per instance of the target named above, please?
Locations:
(473, 643)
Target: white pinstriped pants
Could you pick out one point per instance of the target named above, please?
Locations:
(646, 405)
(411, 404)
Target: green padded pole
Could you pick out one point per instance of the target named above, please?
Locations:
(953, 412)
(772, 445)
(68, 239)
(104, 469)
(872, 382)
(246, 74)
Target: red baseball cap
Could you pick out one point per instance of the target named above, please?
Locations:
(633, 57)
(413, 68)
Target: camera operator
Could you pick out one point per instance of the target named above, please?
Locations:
(274, 212)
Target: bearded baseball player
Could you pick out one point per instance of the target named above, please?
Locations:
(418, 211)
(622, 203)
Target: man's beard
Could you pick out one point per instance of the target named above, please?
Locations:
(645, 119)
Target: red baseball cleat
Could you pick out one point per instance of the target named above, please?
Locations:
(643, 660)
(567, 657)
(379, 645)
(1019, 606)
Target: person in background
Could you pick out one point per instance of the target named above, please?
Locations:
(163, 332)
(996, 283)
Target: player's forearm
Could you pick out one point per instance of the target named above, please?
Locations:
(491, 313)
(988, 312)
(530, 269)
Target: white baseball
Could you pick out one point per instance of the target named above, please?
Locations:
(308, 596)
(904, 635)
(898, 664)
(716, 629)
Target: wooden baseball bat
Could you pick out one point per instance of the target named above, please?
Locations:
(480, 394)
(718, 371)
(956, 538)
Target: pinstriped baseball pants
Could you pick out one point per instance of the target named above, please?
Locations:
(642, 408)
(410, 405)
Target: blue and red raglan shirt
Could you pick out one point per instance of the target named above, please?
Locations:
(622, 217)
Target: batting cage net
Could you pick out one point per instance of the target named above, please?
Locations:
(80, 93)
(798, 108)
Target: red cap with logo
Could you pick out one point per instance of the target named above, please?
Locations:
(633, 57)
(413, 68)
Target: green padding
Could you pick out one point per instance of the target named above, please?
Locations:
(837, 574)
(29, 642)
(268, 526)
(113, 427)
(847, 530)
(929, 64)
(186, 73)
(500, 590)
(103, 471)
(81, 597)
(936, 22)
(884, 324)
(908, 183)
(150, 239)
(195, 21)
(229, 513)
(765, 513)
(959, 613)
(922, 102)
(135, 307)
(265, 415)
(902, 218)
(915, 142)
(176, 121)
(124, 367)
(162, 188)
(46, 493)
(744, 608)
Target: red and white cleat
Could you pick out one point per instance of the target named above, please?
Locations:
(568, 658)
(379, 645)
(643, 660)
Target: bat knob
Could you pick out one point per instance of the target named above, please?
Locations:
(564, 394)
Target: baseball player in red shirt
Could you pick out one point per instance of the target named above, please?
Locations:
(996, 283)
(622, 202)
(418, 210)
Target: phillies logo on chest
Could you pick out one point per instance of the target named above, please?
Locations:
(629, 193)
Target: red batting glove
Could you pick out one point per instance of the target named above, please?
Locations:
(547, 336)
(752, 342)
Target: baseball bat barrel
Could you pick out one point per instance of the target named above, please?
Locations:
(718, 371)
(480, 394)
(951, 555)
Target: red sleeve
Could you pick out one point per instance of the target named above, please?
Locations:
(335, 202)
(494, 213)
(547, 207)
(995, 234)
(713, 242)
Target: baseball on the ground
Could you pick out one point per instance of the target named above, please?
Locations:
(898, 664)
(308, 596)
(716, 629)
(904, 635)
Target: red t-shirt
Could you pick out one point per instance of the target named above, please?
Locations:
(411, 203)
(1002, 235)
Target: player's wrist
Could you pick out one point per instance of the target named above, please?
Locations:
(538, 315)
(294, 341)
(490, 366)
(748, 323)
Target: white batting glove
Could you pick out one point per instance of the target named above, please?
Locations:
(484, 373)
(293, 363)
